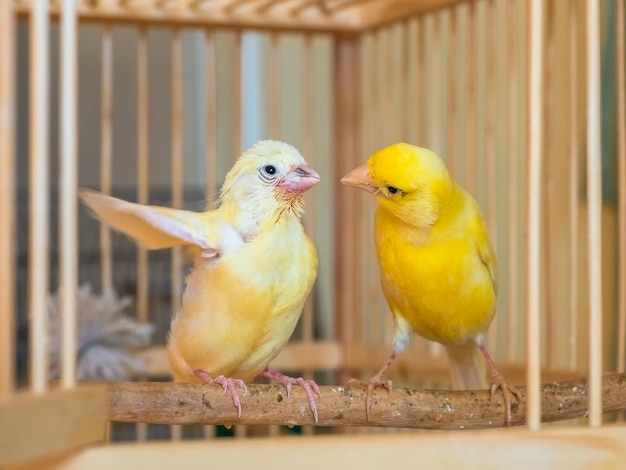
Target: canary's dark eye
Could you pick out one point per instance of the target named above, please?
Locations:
(268, 173)
(392, 190)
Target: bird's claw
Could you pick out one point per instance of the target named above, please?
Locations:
(227, 384)
(310, 387)
(507, 391)
(375, 382)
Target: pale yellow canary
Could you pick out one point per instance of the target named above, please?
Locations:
(437, 265)
(254, 268)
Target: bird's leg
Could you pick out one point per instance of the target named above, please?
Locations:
(309, 386)
(377, 381)
(226, 383)
(497, 382)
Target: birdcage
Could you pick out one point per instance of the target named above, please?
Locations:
(152, 100)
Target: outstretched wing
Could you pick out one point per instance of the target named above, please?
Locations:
(155, 227)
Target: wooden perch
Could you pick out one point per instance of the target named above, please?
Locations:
(175, 403)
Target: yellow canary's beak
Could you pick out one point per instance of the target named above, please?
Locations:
(299, 179)
(360, 177)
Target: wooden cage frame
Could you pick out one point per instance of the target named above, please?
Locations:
(79, 432)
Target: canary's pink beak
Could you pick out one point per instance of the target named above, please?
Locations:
(299, 179)
(360, 177)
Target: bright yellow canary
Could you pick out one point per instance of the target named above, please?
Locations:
(254, 268)
(437, 265)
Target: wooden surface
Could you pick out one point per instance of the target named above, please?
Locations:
(36, 426)
(581, 448)
(323, 16)
(176, 403)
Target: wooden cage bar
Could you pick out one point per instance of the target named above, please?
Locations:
(143, 169)
(452, 85)
(7, 199)
(211, 190)
(491, 175)
(621, 181)
(346, 82)
(594, 220)
(237, 99)
(308, 150)
(574, 316)
(176, 291)
(68, 236)
(513, 141)
(470, 121)
(39, 240)
(533, 324)
(594, 185)
(143, 183)
(106, 151)
(274, 87)
(211, 115)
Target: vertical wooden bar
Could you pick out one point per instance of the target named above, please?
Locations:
(438, 59)
(533, 336)
(68, 232)
(472, 105)
(176, 292)
(548, 186)
(237, 104)
(574, 136)
(240, 431)
(142, 165)
(39, 241)
(274, 87)
(410, 82)
(363, 322)
(421, 81)
(452, 82)
(308, 150)
(490, 146)
(405, 87)
(621, 183)
(594, 220)
(211, 136)
(7, 198)
(142, 183)
(385, 85)
(106, 159)
(513, 179)
(347, 135)
(211, 116)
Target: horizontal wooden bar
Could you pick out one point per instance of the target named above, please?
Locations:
(178, 403)
(289, 15)
(517, 448)
(37, 426)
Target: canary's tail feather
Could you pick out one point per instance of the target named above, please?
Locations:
(468, 367)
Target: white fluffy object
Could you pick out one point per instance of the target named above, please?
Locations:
(106, 337)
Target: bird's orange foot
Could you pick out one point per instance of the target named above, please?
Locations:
(227, 384)
(508, 391)
(310, 387)
(375, 382)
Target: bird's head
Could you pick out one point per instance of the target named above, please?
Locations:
(268, 180)
(411, 182)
